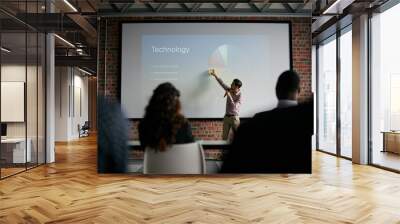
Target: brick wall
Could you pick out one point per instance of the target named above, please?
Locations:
(109, 62)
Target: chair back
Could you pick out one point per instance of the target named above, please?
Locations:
(176, 159)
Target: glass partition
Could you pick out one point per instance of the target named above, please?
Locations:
(23, 89)
(346, 93)
(14, 151)
(327, 95)
(385, 89)
(334, 94)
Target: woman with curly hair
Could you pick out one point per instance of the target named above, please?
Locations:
(163, 123)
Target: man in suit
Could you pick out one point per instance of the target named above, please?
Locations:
(287, 89)
(275, 141)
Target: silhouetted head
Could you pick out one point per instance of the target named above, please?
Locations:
(236, 84)
(162, 118)
(288, 86)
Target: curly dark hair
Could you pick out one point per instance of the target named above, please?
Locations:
(162, 118)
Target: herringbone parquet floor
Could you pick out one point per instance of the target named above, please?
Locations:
(70, 191)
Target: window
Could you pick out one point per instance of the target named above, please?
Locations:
(333, 137)
(346, 93)
(385, 88)
(327, 95)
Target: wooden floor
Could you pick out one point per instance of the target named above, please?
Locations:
(70, 191)
(10, 171)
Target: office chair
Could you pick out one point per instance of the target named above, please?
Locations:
(84, 130)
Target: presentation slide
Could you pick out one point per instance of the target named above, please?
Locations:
(182, 53)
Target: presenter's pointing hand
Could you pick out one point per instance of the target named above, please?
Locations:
(212, 72)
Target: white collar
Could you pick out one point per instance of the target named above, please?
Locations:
(287, 103)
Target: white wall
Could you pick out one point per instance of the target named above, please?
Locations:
(71, 94)
(61, 103)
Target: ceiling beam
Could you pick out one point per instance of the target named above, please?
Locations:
(231, 6)
(126, 7)
(265, 7)
(11, 15)
(114, 6)
(207, 1)
(216, 7)
(149, 6)
(288, 7)
(219, 6)
(85, 61)
(254, 6)
(196, 7)
(237, 12)
(85, 25)
(184, 6)
(161, 6)
(286, 1)
(91, 6)
(300, 7)
(337, 7)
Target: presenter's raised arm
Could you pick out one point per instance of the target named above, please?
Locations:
(223, 85)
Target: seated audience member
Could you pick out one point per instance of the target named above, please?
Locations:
(275, 141)
(287, 89)
(163, 123)
(112, 138)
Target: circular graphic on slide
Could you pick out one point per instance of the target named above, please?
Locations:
(226, 59)
(219, 58)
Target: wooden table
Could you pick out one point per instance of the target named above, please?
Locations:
(391, 141)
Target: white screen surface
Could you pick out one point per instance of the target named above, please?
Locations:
(182, 53)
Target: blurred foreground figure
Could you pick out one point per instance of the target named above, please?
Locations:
(275, 141)
(112, 156)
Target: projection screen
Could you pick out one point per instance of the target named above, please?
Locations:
(182, 53)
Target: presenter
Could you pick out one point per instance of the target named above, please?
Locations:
(233, 102)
